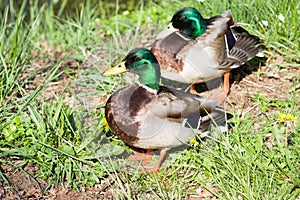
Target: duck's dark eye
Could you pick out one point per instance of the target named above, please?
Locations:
(136, 58)
(182, 18)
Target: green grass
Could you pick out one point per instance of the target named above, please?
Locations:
(257, 159)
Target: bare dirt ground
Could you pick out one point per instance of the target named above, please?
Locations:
(269, 80)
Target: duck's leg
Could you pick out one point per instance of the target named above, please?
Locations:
(193, 89)
(154, 169)
(226, 83)
(140, 156)
(226, 86)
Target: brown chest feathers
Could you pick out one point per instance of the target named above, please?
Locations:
(167, 52)
(122, 108)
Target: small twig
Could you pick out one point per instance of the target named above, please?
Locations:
(257, 85)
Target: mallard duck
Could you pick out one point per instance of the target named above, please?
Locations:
(150, 116)
(193, 49)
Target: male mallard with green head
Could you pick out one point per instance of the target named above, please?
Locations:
(193, 49)
(150, 116)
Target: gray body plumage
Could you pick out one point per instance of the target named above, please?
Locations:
(163, 120)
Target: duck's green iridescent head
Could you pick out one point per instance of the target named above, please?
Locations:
(189, 22)
(142, 62)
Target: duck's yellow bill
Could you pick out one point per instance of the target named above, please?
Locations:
(118, 69)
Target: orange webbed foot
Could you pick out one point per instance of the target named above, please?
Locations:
(146, 158)
(140, 156)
